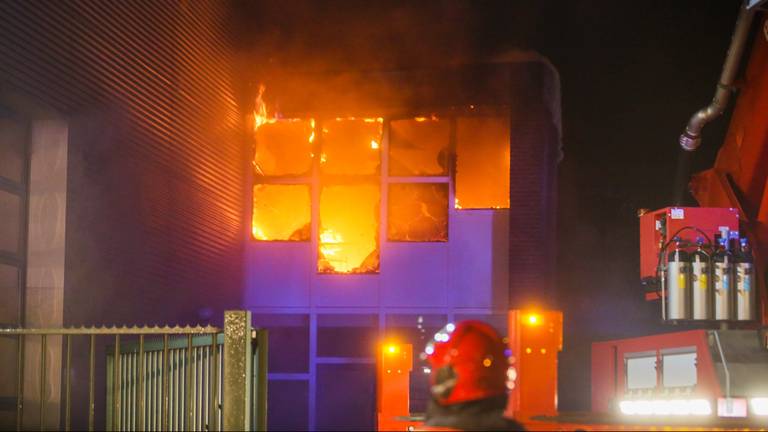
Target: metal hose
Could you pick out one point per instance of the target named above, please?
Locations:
(691, 138)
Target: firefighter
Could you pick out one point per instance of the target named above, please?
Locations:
(468, 381)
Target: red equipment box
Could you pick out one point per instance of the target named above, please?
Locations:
(658, 227)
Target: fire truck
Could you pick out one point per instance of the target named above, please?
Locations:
(705, 267)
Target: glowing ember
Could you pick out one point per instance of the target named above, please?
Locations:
(312, 135)
(374, 145)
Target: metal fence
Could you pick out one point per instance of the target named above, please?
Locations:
(157, 378)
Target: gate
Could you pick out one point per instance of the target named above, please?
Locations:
(156, 378)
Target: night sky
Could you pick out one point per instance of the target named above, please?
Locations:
(632, 74)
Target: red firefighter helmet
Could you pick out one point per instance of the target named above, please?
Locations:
(468, 361)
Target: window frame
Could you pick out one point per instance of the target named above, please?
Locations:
(315, 179)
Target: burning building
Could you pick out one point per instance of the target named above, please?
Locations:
(385, 205)
(141, 183)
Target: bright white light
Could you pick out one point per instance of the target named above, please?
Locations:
(627, 407)
(511, 373)
(643, 407)
(427, 370)
(430, 350)
(663, 407)
(450, 327)
(700, 407)
(759, 405)
(680, 407)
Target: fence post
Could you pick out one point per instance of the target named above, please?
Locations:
(237, 371)
(260, 375)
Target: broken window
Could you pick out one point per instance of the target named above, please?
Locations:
(419, 147)
(351, 146)
(281, 212)
(349, 228)
(417, 212)
(482, 163)
(284, 148)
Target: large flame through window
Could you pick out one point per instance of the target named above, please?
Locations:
(349, 229)
(281, 212)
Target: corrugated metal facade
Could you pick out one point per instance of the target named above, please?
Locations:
(157, 163)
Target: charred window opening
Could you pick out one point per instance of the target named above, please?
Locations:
(284, 148)
(419, 147)
(349, 208)
(349, 229)
(281, 212)
(482, 163)
(334, 166)
(351, 146)
(418, 212)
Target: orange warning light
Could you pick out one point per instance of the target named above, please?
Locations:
(533, 319)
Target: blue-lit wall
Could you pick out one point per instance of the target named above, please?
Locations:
(467, 272)
(325, 327)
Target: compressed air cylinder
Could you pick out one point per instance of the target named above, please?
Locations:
(745, 278)
(722, 268)
(701, 289)
(678, 283)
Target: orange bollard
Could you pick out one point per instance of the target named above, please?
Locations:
(394, 363)
(535, 338)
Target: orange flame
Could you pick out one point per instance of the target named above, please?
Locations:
(329, 243)
(431, 117)
(365, 119)
(258, 233)
(260, 116)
